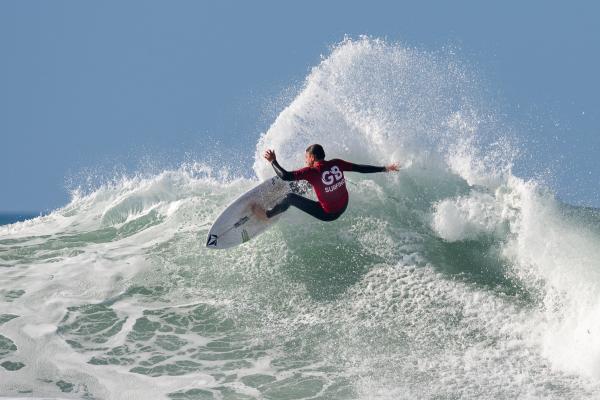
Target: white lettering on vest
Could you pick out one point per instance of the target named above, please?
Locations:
(329, 189)
(334, 174)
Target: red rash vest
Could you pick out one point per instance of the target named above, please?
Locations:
(327, 179)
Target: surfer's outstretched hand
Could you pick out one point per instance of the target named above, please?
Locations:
(270, 155)
(392, 167)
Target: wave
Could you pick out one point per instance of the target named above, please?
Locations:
(451, 278)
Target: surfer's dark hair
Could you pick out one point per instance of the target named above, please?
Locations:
(317, 151)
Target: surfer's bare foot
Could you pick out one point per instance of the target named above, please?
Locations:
(259, 212)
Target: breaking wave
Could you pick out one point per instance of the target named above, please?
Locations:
(450, 279)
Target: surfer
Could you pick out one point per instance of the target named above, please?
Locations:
(327, 180)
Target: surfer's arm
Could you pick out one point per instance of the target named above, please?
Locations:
(365, 169)
(282, 173)
(368, 169)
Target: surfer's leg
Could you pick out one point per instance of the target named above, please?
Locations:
(280, 207)
(307, 205)
(291, 199)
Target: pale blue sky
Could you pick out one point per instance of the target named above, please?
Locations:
(85, 85)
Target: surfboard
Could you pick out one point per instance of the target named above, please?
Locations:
(237, 224)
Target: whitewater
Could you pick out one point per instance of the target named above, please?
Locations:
(451, 279)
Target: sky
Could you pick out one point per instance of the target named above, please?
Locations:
(85, 86)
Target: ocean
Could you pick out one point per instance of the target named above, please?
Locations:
(451, 279)
(12, 217)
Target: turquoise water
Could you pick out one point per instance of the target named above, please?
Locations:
(450, 279)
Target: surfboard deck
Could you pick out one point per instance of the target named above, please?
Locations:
(237, 224)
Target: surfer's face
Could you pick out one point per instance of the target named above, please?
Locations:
(309, 158)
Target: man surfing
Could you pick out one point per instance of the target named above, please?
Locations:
(327, 180)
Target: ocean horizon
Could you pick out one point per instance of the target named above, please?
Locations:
(8, 217)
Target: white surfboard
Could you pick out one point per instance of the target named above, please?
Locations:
(237, 224)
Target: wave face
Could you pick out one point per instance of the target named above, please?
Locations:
(450, 279)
